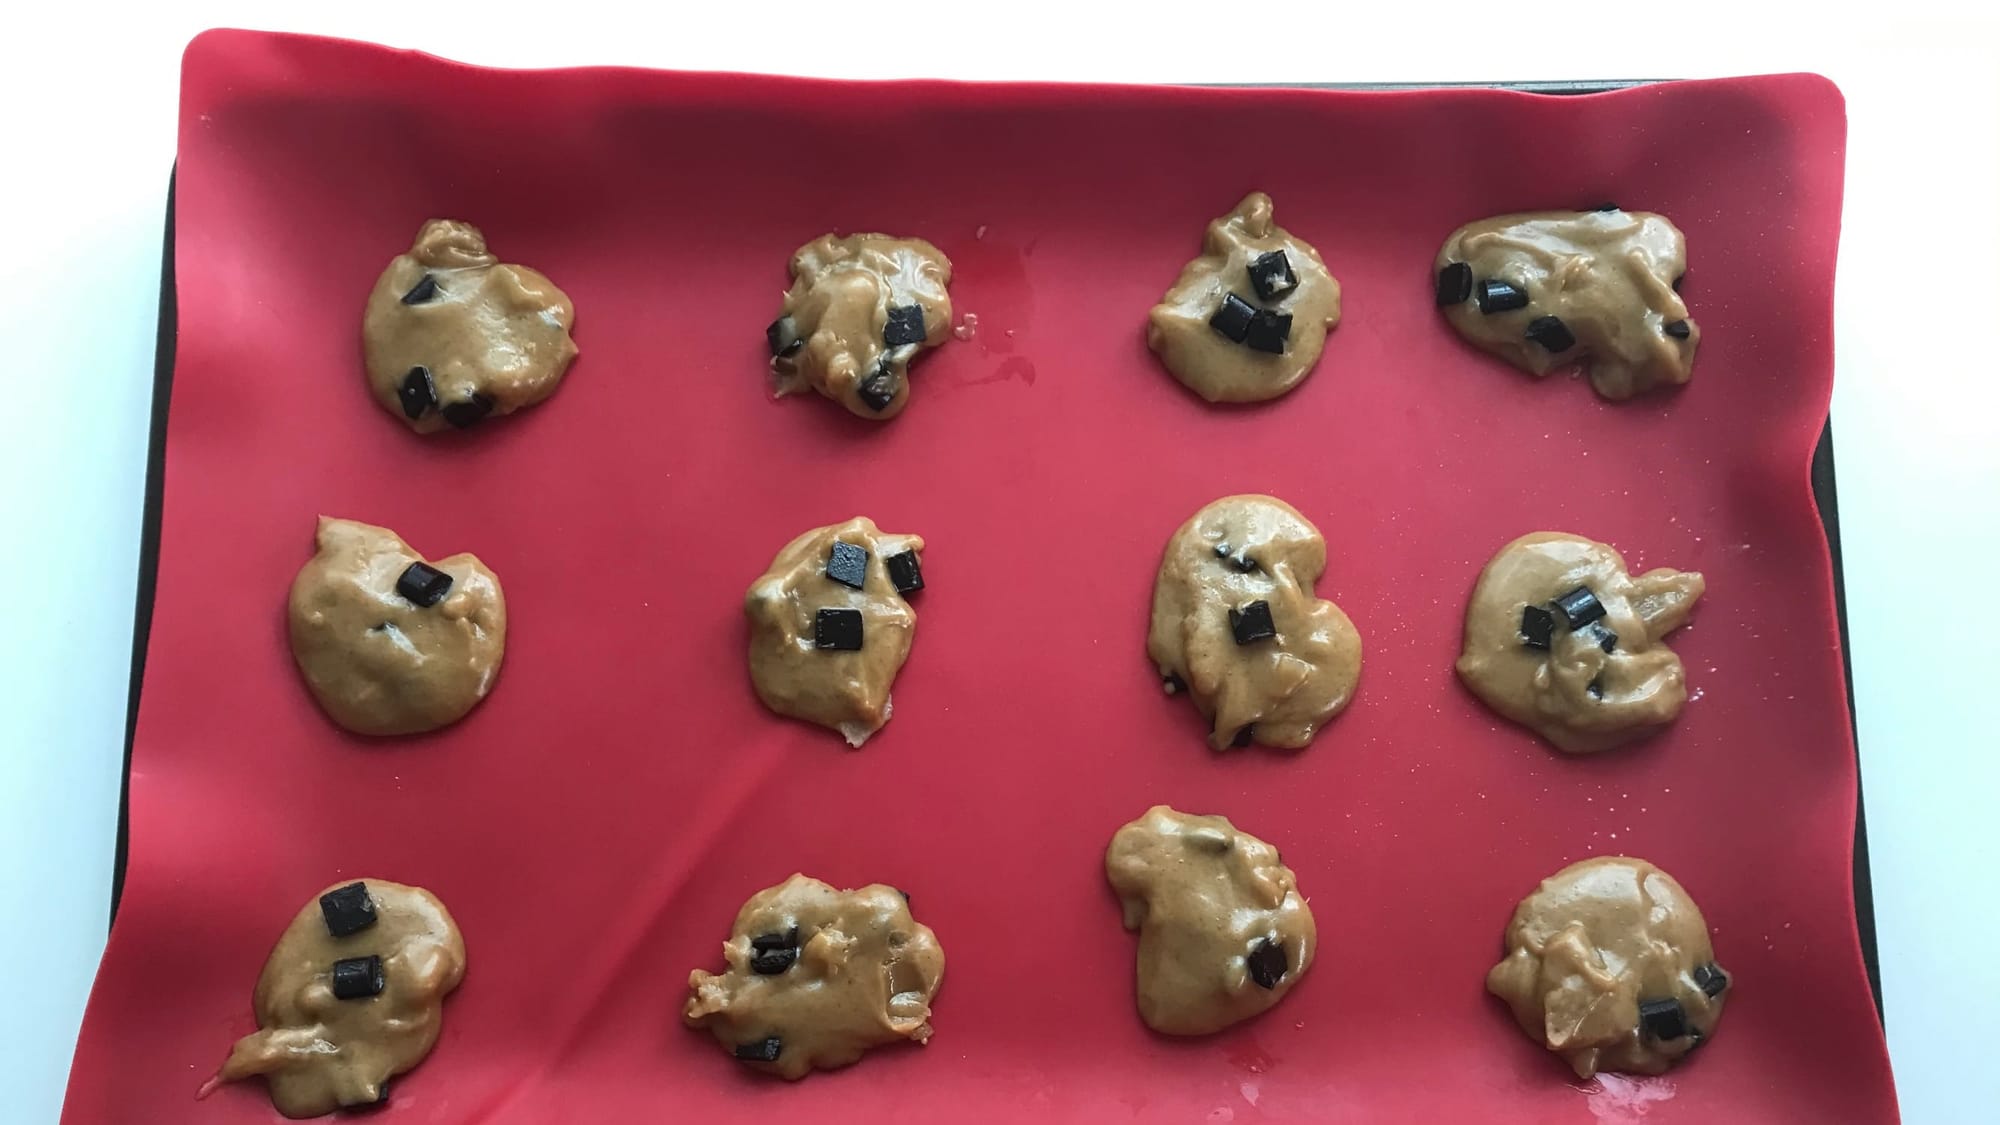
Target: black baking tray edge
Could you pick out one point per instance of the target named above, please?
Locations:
(149, 532)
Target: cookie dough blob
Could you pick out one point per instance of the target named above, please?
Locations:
(1223, 932)
(829, 626)
(859, 310)
(816, 976)
(1246, 321)
(1237, 627)
(1608, 965)
(1549, 290)
(352, 995)
(1561, 640)
(388, 642)
(453, 336)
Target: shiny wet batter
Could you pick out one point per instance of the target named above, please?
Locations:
(1559, 638)
(1247, 319)
(352, 995)
(390, 643)
(1223, 932)
(453, 336)
(1608, 964)
(830, 625)
(1549, 290)
(1236, 625)
(816, 976)
(859, 311)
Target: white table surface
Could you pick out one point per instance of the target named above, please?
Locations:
(89, 139)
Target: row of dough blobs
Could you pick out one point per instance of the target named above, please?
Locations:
(1608, 964)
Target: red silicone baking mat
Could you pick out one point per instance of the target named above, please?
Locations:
(595, 824)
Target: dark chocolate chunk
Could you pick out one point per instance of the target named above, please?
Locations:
(771, 962)
(1677, 282)
(1245, 563)
(422, 291)
(906, 570)
(1538, 626)
(1579, 607)
(1233, 318)
(418, 394)
(357, 978)
(1271, 275)
(1551, 333)
(848, 565)
(1663, 1019)
(1252, 622)
(878, 390)
(1595, 687)
(1222, 549)
(1678, 329)
(1498, 296)
(905, 326)
(423, 584)
(1605, 638)
(1711, 980)
(469, 412)
(1173, 683)
(1269, 331)
(762, 1050)
(837, 629)
(765, 942)
(783, 336)
(1607, 207)
(1245, 734)
(1454, 284)
(1267, 963)
(347, 910)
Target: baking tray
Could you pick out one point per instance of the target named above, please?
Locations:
(1259, 1064)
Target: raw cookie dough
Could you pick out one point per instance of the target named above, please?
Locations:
(1555, 289)
(1608, 965)
(351, 996)
(829, 628)
(389, 643)
(817, 976)
(1246, 321)
(859, 310)
(1236, 625)
(1223, 930)
(453, 335)
(1561, 640)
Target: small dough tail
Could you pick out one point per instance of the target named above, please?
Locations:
(1664, 599)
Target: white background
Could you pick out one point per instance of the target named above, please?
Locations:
(87, 140)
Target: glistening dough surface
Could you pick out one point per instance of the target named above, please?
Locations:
(1594, 288)
(378, 662)
(816, 976)
(452, 335)
(1576, 692)
(859, 310)
(319, 1052)
(1229, 360)
(1235, 554)
(846, 689)
(1608, 964)
(1223, 931)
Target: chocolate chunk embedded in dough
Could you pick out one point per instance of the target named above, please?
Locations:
(1559, 638)
(1223, 932)
(1246, 321)
(381, 659)
(452, 335)
(1558, 289)
(337, 1016)
(1608, 964)
(1236, 621)
(858, 972)
(859, 311)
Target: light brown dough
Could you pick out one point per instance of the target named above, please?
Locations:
(1212, 364)
(318, 1052)
(842, 971)
(493, 337)
(1578, 696)
(845, 690)
(1607, 276)
(1594, 943)
(1223, 931)
(832, 335)
(378, 662)
(1281, 690)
